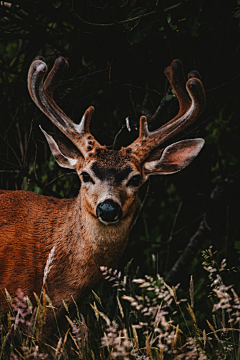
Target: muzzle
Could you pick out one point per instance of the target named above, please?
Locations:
(109, 212)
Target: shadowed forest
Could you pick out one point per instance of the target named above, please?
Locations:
(117, 52)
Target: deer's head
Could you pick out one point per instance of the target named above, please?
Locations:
(111, 179)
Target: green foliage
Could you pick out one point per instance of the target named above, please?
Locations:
(137, 30)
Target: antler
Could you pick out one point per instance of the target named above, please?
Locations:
(191, 99)
(42, 95)
(192, 102)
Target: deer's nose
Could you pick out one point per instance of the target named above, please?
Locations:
(109, 211)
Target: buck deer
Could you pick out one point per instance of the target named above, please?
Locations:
(92, 229)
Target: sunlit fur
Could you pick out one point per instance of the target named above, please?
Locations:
(32, 224)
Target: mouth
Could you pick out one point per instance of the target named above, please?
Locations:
(115, 221)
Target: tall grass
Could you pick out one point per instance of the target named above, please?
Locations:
(150, 321)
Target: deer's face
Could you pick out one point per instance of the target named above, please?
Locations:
(109, 185)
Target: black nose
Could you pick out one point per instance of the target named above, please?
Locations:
(109, 211)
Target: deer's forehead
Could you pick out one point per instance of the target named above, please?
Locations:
(113, 164)
(104, 172)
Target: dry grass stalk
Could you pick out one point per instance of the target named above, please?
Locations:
(191, 291)
(213, 330)
(148, 348)
(204, 338)
(192, 315)
(58, 347)
(97, 313)
(120, 307)
(97, 297)
(135, 337)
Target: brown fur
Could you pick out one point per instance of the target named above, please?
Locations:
(32, 224)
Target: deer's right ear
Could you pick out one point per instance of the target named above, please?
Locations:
(174, 158)
(61, 159)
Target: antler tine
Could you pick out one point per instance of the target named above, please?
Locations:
(176, 78)
(192, 102)
(42, 95)
(60, 66)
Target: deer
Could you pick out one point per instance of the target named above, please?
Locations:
(92, 229)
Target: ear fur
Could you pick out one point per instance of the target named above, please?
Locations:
(175, 157)
(61, 159)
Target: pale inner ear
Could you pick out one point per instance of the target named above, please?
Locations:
(175, 157)
(61, 159)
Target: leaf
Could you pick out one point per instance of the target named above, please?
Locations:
(133, 14)
(233, 161)
(237, 14)
(136, 12)
(123, 3)
(168, 97)
(57, 3)
(138, 34)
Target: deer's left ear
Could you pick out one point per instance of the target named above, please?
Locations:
(174, 158)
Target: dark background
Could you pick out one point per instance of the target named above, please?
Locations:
(117, 52)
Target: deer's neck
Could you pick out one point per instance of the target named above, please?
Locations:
(107, 242)
(77, 230)
(82, 245)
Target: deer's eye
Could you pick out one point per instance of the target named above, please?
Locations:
(86, 177)
(134, 181)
